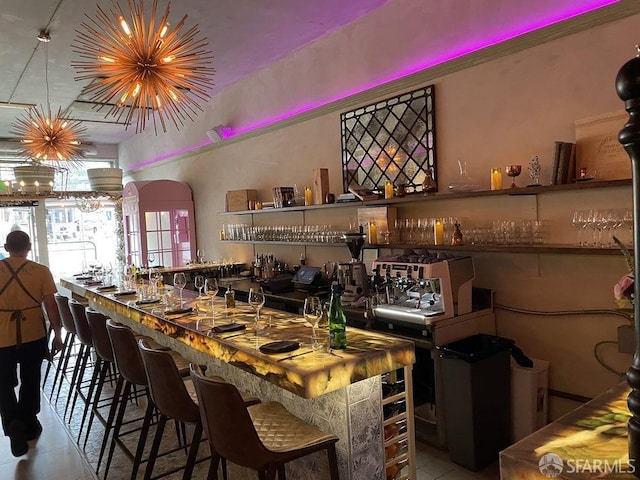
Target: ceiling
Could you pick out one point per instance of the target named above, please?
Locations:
(244, 35)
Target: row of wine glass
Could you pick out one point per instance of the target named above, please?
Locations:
(597, 227)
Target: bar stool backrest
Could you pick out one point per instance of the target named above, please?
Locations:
(98, 324)
(78, 312)
(65, 314)
(126, 353)
(168, 391)
(226, 419)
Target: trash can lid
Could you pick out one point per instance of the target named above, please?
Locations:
(475, 347)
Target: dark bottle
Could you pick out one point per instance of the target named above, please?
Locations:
(337, 321)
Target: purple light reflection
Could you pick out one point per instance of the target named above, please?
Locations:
(168, 155)
(563, 12)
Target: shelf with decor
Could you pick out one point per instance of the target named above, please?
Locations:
(419, 197)
(546, 248)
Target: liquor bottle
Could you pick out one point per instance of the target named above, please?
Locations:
(230, 297)
(337, 321)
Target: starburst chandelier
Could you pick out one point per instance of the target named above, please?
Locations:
(45, 139)
(143, 68)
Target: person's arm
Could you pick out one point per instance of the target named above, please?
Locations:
(51, 307)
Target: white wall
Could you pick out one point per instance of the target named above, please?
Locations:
(496, 113)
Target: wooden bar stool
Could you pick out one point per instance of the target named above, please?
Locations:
(83, 333)
(68, 345)
(131, 368)
(263, 437)
(105, 362)
(173, 401)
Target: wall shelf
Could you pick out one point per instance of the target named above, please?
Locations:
(546, 248)
(419, 197)
(285, 242)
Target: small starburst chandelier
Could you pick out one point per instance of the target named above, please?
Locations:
(44, 139)
(143, 68)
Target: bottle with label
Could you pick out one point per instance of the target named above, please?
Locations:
(337, 321)
(230, 297)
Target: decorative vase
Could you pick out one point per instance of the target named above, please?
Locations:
(27, 176)
(105, 179)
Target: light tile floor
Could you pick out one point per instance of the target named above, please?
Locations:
(56, 456)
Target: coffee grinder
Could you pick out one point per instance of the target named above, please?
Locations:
(353, 275)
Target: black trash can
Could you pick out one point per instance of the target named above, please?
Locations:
(477, 392)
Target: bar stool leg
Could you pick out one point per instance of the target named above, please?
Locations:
(193, 452)
(110, 418)
(92, 388)
(68, 353)
(80, 377)
(103, 376)
(116, 429)
(143, 438)
(155, 447)
(74, 377)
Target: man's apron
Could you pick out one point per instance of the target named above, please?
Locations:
(16, 313)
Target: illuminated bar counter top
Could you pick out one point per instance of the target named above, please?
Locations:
(589, 442)
(340, 392)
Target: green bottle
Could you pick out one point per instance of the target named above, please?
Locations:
(337, 321)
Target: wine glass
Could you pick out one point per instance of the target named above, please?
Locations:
(200, 255)
(579, 221)
(198, 282)
(179, 281)
(151, 258)
(211, 289)
(256, 300)
(312, 314)
(513, 171)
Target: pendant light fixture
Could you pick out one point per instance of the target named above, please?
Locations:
(46, 140)
(143, 68)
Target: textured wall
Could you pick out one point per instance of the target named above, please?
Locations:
(492, 114)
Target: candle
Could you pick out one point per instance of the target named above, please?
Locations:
(438, 232)
(373, 233)
(8, 187)
(388, 190)
(496, 179)
(37, 185)
(308, 196)
(21, 186)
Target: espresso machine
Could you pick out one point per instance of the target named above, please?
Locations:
(422, 292)
(353, 276)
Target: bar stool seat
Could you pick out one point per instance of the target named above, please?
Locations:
(263, 437)
(281, 431)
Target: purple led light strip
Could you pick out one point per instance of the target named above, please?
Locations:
(564, 12)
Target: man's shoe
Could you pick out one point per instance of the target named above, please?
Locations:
(19, 445)
(33, 430)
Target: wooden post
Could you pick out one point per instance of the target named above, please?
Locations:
(628, 89)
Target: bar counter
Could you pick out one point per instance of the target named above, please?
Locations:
(589, 442)
(340, 392)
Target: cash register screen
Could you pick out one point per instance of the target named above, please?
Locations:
(306, 275)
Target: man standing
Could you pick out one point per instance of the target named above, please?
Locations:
(25, 287)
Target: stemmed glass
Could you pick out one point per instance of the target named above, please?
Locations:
(200, 255)
(513, 171)
(211, 289)
(179, 281)
(256, 300)
(312, 314)
(580, 222)
(198, 282)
